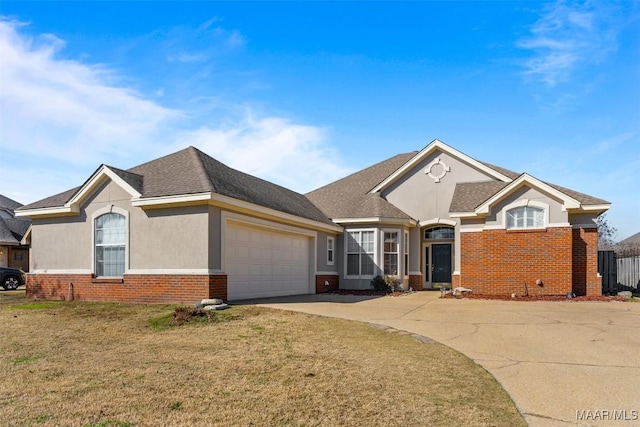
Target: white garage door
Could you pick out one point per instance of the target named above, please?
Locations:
(262, 263)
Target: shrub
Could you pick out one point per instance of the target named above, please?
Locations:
(385, 283)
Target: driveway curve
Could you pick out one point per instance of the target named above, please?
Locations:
(563, 363)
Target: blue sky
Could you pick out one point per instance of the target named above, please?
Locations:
(303, 93)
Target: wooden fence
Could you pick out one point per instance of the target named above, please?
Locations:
(619, 274)
(628, 270)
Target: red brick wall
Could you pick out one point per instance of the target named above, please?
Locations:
(585, 262)
(334, 283)
(415, 282)
(145, 288)
(501, 262)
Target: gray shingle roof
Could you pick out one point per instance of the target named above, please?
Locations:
(12, 230)
(634, 239)
(9, 204)
(469, 195)
(349, 197)
(585, 199)
(52, 201)
(190, 171)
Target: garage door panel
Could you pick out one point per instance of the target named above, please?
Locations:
(262, 263)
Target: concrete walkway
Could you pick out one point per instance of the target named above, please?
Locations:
(563, 363)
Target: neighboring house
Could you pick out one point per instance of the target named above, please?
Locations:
(628, 247)
(12, 252)
(185, 227)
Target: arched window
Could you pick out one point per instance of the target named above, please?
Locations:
(525, 217)
(439, 233)
(110, 245)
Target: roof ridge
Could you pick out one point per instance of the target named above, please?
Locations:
(201, 169)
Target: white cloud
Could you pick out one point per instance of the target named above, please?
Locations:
(568, 35)
(272, 148)
(61, 118)
(66, 110)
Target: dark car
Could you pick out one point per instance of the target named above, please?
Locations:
(11, 278)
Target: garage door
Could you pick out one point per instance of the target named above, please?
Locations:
(262, 263)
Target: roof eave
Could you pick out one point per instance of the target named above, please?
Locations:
(222, 201)
(48, 212)
(376, 220)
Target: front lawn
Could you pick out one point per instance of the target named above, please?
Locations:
(109, 364)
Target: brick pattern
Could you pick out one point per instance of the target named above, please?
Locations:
(332, 279)
(416, 282)
(585, 262)
(143, 288)
(501, 262)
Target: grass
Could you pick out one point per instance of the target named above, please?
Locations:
(109, 364)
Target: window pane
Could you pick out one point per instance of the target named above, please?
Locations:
(353, 242)
(367, 241)
(367, 265)
(353, 264)
(538, 218)
(391, 264)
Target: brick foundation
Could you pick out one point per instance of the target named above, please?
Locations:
(144, 288)
(416, 282)
(501, 262)
(332, 279)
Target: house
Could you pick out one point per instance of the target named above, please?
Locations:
(185, 227)
(12, 253)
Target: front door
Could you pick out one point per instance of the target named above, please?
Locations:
(441, 264)
(438, 264)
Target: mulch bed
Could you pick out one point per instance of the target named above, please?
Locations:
(489, 297)
(537, 298)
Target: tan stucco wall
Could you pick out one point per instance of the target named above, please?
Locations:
(158, 239)
(174, 238)
(215, 238)
(321, 252)
(417, 194)
(61, 244)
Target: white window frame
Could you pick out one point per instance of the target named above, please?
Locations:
(526, 203)
(405, 259)
(396, 252)
(331, 250)
(374, 254)
(94, 216)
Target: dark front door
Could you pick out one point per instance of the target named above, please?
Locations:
(440, 263)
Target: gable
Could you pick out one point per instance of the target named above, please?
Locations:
(426, 189)
(429, 150)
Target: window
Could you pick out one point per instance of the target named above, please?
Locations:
(525, 217)
(360, 253)
(439, 233)
(406, 253)
(330, 243)
(390, 251)
(110, 245)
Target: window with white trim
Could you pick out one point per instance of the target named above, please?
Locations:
(406, 253)
(391, 249)
(330, 250)
(110, 245)
(360, 253)
(523, 217)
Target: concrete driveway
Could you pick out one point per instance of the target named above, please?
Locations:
(563, 363)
